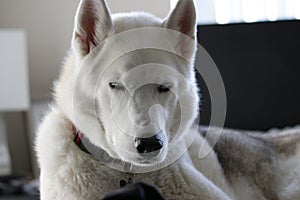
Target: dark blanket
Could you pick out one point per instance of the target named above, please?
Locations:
(136, 191)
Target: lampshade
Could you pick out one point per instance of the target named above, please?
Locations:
(14, 86)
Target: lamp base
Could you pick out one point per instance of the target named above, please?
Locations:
(5, 162)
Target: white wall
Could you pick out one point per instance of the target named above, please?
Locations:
(49, 25)
(159, 8)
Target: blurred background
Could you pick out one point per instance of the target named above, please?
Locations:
(254, 43)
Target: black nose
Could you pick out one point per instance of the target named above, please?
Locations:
(147, 145)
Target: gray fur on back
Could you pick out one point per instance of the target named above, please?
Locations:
(253, 158)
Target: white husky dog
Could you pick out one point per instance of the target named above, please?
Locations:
(125, 108)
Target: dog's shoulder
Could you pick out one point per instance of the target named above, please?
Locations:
(53, 133)
(64, 165)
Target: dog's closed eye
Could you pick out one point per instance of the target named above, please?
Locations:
(116, 86)
(163, 89)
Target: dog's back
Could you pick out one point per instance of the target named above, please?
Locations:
(267, 163)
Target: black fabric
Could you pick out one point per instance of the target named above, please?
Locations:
(17, 187)
(259, 64)
(136, 191)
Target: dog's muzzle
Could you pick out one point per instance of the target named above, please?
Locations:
(148, 145)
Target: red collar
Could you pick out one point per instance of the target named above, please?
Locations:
(78, 136)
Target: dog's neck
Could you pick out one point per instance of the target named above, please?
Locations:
(84, 145)
(99, 154)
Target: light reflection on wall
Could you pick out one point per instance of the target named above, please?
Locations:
(236, 11)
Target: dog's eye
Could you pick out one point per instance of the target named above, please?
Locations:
(115, 86)
(163, 89)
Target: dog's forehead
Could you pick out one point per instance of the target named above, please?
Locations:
(126, 21)
(139, 61)
(146, 66)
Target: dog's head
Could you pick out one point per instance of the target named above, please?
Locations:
(129, 82)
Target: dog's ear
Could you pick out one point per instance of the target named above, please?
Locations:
(183, 18)
(92, 25)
